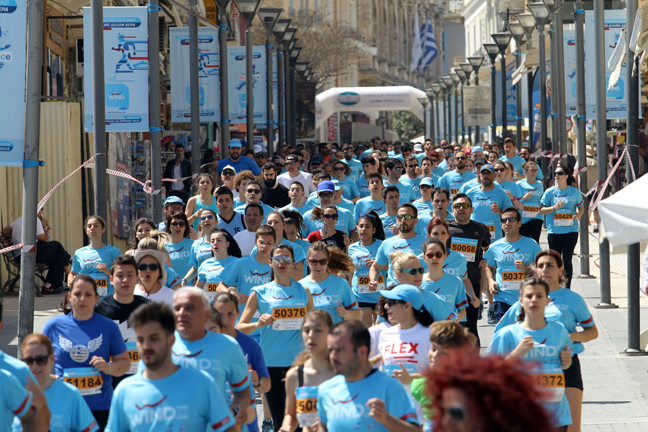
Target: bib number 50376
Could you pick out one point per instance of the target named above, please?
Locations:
(288, 318)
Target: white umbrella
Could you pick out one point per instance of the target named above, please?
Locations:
(624, 215)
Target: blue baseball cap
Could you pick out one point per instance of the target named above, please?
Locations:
(487, 167)
(427, 181)
(326, 186)
(173, 200)
(235, 143)
(477, 149)
(406, 293)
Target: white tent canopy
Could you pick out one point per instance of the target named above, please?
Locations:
(624, 215)
(366, 99)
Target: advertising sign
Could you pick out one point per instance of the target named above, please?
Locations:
(126, 66)
(13, 43)
(237, 78)
(569, 46)
(477, 108)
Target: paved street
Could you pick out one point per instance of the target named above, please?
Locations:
(616, 385)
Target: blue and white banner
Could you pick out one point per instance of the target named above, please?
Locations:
(275, 90)
(569, 46)
(511, 94)
(126, 69)
(13, 49)
(208, 75)
(237, 78)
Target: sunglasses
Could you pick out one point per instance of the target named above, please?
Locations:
(461, 158)
(291, 162)
(325, 195)
(437, 255)
(425, 187)
(405, 216)
(531, 171)
(457, 413)
(508, 219)
(228, 173)
(40, 360)
(392, 302)
(152, 267)
(413, 271)
(254, 191)
(208, 217)
(178, 224)
(338, 169)
(500, 169)
(559, 173)
(330, 216)
(277, 259)
(412, 166)
(398, 168)
(461, 206)
(321, 262)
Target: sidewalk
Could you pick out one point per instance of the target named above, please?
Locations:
(616, 385)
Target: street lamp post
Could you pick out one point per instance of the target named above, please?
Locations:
(424, 101)
(476, 62)
(444, 89)
(463, 76)
(294, 54)
(269, 17)
(502, 41)
(517, 31)
(467, 70)
(541, 15)
(431, 97)
(279, 29)
(456, 80)
(449, 84)
(492, 50)
(248, 9)
(528, 23)
(558, 80)
(436, 88)
(222, 71)
(289, 35)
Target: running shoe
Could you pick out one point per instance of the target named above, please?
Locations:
(491, 316)
(50, 291)
(480, 311)
(267, 426)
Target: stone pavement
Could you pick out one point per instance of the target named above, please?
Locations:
(616, 385)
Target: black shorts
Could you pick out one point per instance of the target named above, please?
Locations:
(573, 376)
(365, 305)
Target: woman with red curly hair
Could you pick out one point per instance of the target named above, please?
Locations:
(484, 394)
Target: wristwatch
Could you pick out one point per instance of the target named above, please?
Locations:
(260, 382)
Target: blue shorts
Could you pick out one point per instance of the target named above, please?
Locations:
(499, 309)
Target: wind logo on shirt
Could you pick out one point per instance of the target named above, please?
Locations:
(180, 253)
(90, 263)
(202, 363)
(511, 256)
(154, 412)
(257, 278)
(320, 300)
(543, 353)
(401, 247)
(345, 409)
(78, 352)
(214, 269)
(482, 202)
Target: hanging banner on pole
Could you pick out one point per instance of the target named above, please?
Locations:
(237, 79)
(275, 90)
(569, 44)
(126, 65)
(511, 94)
(13, 49)
(208, 75)
(477, 105)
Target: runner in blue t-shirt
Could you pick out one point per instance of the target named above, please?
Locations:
(410, 177)
(510, 156)
(204, 199)
(179, 247)
(201, 249)
(95, 259)
(488, 201)
(236, 161)
(391, 198)
(394, 169)
(509, 256)
(373, 202)
(296, 195)
(453, 180)
(15, 401)
(356, 166)
(350, 190)
(345, 221)
(150, 400)
(504, 179)
(425, 203)
(225, 253)
(532, 220)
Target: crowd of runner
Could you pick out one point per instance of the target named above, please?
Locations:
(340, 285)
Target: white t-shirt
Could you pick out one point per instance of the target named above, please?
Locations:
(177, 173)
(246, 241)
(16, 232)
(304, 178)
(374, 332)
(165, 295)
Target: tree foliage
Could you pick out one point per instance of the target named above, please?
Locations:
(405, 124)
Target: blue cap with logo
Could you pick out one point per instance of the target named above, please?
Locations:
(426, 181)
(235, 143)
(173, 200)
(326, 186)
(487, 167)
(406, 293)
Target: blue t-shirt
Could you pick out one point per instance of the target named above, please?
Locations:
(200, 252)
(359, 284)
(141, 404)
(512, 187)
(456, 264)
(75, 343)
(253, 354)
(397, 244)
(517, 162)
(218, 355)
(481, 201)
(349, 187)
(302, 210)
(17, 368)
(552, 313)
(388, 223)
(15, 400)
(282, 341)
(363, 186)
(244, 163)
(502, 254)
(469, 185)
(347, 205)
(450, 289)
(437, 306)
(210, 273)
(561, 221)
(548, 343)
(531, 209)
(172, 277)
(412, 184)
(424, 219)
(201, 205)
(424, 206)
(345, 222)
(406, 194)
(245, 274)
(328, 293)
(85, 262)
(452, 181)
(440, 171)
(342, 406)
(180, 254)
(356, 168)
(367, 204)
(574, 312)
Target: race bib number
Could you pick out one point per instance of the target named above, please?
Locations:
(512, 280)
(453, 192)
(551, 385)
(563, 219)
(288, 318)
(211, 291)
(102, 287)
(389, 369)
(87, 380)
(530, 212)
(466, 247)
(491, 230)
(363, 284)
(306, 398)
(134, 356)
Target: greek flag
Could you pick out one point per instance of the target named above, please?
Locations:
(417, 51)
(429, 46)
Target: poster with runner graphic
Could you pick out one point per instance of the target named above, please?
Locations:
(13, 43)
(126, 69)
(237, 78)
(208, 75)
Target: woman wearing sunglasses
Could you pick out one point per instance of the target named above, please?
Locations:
(179, 247)
(532, 220)
(202, 200)
(331, 236)
(504, 177)
(89, 347)
(201, 249)
(225, 253)
(341, 173)
(282, 305)
(563, 206)
(152, 276)
(545, 343)
(69, 412)
(330, 292)
(450, 288)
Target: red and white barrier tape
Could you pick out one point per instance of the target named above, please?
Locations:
(47, 196)
(11, 248)
(601, 191)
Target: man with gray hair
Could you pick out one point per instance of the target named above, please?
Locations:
(217, 354)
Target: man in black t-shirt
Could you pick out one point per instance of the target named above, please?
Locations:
(273, 193)
(119, 306)
(471, 239)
